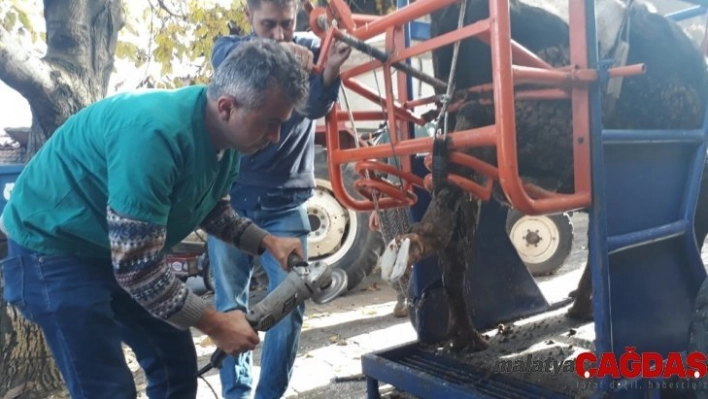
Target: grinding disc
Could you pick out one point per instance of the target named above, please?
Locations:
(338, 287)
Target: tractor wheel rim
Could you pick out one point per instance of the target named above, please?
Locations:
(333, 226)
(536, 238)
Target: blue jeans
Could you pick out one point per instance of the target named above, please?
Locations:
(232, 275)
(85, 316)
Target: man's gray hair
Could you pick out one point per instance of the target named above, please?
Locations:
(257, 66)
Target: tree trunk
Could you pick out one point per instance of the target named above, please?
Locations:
(75, 71)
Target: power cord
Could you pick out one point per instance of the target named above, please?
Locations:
(210, 387)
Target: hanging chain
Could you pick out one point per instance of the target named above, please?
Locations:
(399, 219)
(447, 97)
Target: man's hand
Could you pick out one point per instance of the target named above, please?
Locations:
(281, 248)
(302, 53)
(229, 331)
(338, 54)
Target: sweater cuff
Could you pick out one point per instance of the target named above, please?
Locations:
(192, 311)
(251, 239)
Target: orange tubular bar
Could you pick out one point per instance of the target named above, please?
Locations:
(364, 166)
(399, 17)
(512, 65)
(370, 95)
(363, 19)
(480, 137)
(362, 115)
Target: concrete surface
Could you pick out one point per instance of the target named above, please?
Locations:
(336, 335)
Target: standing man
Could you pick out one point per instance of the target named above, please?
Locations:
(120, 182)
(272, 189)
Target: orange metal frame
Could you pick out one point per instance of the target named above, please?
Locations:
(512, 64)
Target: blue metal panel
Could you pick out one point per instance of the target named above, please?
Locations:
(687, 13)
(420, 30)
(8, 175)
(702, 3)
(641, 237)
(652, 136)
(653, 263)
(653, 175)
(646, 267)
(409, 79)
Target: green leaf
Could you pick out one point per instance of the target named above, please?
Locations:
(24, 20)
(126, 50)
(9, 21)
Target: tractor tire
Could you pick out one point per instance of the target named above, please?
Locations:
(207, 272)
(543, 242)
(340, 237)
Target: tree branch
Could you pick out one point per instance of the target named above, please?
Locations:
(29, 75)
(164, 7)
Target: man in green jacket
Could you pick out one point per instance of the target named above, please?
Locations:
(120, 182)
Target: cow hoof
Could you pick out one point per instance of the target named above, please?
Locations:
(470, 341)
(394, 260)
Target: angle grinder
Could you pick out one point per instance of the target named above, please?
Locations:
(316, 281)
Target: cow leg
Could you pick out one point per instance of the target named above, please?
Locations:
(432, 234)
(582, 306)
(454, 260)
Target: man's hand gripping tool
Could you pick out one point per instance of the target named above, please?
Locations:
(317, 281)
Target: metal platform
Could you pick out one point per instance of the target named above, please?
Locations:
(427, 375)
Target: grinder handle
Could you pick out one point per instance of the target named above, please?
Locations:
(258, 316)
(219, 355)
(295, 260)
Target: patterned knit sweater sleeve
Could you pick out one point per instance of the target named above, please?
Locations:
(140, 269)
(225, 224)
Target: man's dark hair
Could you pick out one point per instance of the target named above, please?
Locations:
(257, 66)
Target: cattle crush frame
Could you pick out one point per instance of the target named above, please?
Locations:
(646, 267)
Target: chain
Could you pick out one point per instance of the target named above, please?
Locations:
(447, 97)
(398, 219)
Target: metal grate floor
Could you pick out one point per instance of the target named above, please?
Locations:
(423, 374)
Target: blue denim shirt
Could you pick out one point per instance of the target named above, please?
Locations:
(282, 175)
